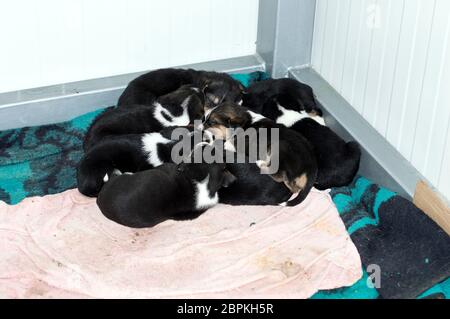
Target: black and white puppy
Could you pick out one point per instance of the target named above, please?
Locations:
(291, 94)
(217, 87)
(338, 161)
(297, 162)
(279, 110)
(251, 187)
(170, 191)
(129, 153)
(179, 108)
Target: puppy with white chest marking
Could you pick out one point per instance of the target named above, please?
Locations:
(177, 192)
(292, 104)
(179, 108)
(291, 94)
(297, 162)
(127, 153)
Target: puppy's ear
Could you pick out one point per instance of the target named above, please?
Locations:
(242, 88)
(228, 179)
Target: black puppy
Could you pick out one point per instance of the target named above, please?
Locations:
(291, 94)
(337, 160)
(253, 188)
(179, 108)
(178, 192)
(128, 154)
(297, 162)
(217, 87)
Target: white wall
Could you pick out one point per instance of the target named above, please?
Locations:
(391, 60)
(46, 42)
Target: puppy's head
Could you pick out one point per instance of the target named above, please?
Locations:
(219, 88)
(186, 97)
(308, 101)
(224, 117)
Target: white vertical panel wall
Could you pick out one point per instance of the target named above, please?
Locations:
(46, 42)
(391, 60)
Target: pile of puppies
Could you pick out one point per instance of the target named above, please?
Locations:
(129, 168)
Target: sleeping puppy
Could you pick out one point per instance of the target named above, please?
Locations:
(252, 188)
(179, 108)
(278, 110)
(126, 154)
(297, 162)
(178, 192)
(337, 160)
(217, 87)
(265, 97)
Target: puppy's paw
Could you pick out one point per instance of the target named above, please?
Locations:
(229, 146)
(116, 172)
(261, 164)
(264, 167)
(208, 137)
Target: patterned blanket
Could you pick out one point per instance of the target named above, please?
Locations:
(405, 254)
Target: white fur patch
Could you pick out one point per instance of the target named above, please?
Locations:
(116, 172)
(208, 112)
(229, 146)
(256, 117)
(202, 198)
(319, 120)
(150, 146)
(181, 120)
(290, 117)
(264, 165)
(208, 137)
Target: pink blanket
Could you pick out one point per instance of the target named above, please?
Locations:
(61, 246)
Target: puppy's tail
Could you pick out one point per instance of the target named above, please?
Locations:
(305, 183)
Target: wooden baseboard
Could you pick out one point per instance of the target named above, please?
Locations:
(433, 205)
